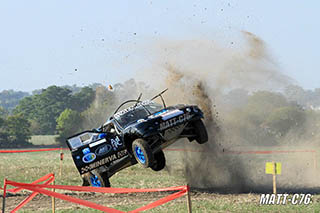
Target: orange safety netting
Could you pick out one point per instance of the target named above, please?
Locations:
(40, 188)
(30, 150)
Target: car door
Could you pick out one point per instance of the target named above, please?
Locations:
(101, 149)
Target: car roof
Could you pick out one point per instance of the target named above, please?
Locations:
(130, 108)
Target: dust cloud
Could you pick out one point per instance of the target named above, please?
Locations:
(201, 72)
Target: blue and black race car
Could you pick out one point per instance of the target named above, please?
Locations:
(137, 134)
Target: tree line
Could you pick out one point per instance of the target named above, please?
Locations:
(59, 111)
(38, 114)
(63, 111)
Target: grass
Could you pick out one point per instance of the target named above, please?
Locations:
(27, 167)
(43, 140)
(209, 206)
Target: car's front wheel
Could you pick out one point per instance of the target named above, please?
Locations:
(142, 152)
(200, 131)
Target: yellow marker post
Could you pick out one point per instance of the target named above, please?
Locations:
(274, 169)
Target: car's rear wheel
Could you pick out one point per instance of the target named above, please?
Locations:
(96, 179)
(142, 152)
(160, 161)
(201, 131)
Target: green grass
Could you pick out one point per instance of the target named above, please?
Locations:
(208, 206)
(27, 167)
(43, 140)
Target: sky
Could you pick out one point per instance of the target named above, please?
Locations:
(60, 42)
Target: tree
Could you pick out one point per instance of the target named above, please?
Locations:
(9, 99)
(104, 104)
(281, 120)
(248, 123)
(68, 123)
(17, 130)
(35, 127)
(3, 133)
(295, 93)
(74, 88)
(303, 97)
(45, 107)
(83, 99)
(262, 103)
(3, 112)
(27, 106)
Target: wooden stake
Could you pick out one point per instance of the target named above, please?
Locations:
(189, 199)
(53, 200)
(60, 170)
(61, 158)
(315, 162)
(274, 177)
(4, 195)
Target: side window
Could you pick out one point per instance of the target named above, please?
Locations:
(109, 128)
(112, 130)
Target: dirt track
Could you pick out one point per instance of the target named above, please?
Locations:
(43, 203)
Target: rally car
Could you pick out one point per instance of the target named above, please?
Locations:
(137, 134)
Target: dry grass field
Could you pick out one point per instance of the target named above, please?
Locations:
(26, 167)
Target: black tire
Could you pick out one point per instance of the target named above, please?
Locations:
(142, 152)
(96, 179)
(160, 161)
(201, 131)
(85, 181)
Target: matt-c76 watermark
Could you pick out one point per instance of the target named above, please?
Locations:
(283, 199)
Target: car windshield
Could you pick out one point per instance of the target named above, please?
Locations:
(139, 112)
(153, 107)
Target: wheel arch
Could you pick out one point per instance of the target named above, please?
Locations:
(128, 140)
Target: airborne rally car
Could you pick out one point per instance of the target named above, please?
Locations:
(137, 134)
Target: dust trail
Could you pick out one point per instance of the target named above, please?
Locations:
(201, 72)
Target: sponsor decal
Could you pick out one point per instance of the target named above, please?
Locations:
(116, 143)
(86, 151)
(88, 158)
(104, 161)
(97, 142)
(171, 114)
(103, 149)
(122, 112)
(157, 114)
(175, 121)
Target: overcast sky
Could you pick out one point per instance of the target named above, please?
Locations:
(80, 42)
